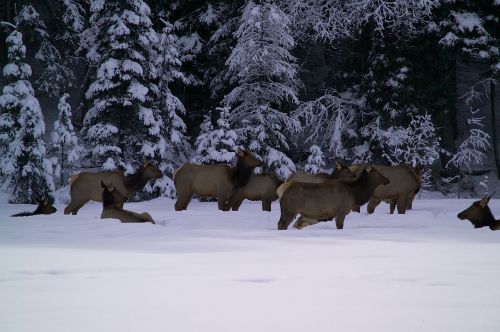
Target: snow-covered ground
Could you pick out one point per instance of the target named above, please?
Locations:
(205, 270)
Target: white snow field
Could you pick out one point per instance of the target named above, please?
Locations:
(205, 270)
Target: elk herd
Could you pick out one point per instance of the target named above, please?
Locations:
(313, 197)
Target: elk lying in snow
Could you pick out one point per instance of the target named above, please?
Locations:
(479, 214)
(324, 201)
(260, 187)
(86, 186)
(44, 207)
(112, 202)
(404, 183)
(213, 180)
(340, 172)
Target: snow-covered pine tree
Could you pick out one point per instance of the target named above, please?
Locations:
(419, 145)
(23, 162)
(266, 76)
(216, 145)
(65, 143)
(16, 73)
(315, 161)
(203, 143)
(329, 122)
(174, 145)
(55, 75)
(122, 126)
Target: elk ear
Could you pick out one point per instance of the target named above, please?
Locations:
(369, 168)
(484, 201)
(103, 185)
(145, 163)
(338, 165)
(241, 153)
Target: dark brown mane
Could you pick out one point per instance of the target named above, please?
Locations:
(361, 188)
(242, 173)
(136, 181)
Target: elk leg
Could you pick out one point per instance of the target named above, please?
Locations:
(393, 206)
(402, 200)
(372, 204)
(183, 200)
(266, 205)
(77, 207)
(339, 221)
(409, 205)
(236, 205)
(356, 208)
(223, 203)
(286, 218)
(303, 222)
(236, 200)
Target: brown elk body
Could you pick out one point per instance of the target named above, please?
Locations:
(340, 172)
(400, 192)
(86, 186)
(112, 202)
(44, 207)
(217, 181)
(260, 187)
(324, 201)
(479, 214)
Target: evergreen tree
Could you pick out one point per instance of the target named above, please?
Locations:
(315, 161)
(123, 122)
(14, 94)
(173, 143)
(56, 75)
(265, 73)
(216, 145)
(24, 163)
(203, 143)
(64, 141)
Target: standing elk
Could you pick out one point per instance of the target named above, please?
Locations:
(317, 202)
(86, 186)
(479, 214)
(112, 202)
(260, 187)
(218, 181)
(405, 182)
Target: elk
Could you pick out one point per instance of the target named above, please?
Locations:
(340, 172)
(405, 182)
(112, 202)
(324, 201)
(44, 207)
(85, 186)
(260, 187)
(479, 214)
(218, 181)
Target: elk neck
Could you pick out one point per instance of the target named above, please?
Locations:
(136, 181)
(241, 173)
(363, 188)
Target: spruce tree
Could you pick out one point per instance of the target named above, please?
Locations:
(16, 73)
(64, 141)
(123, 125)
(266, 76)
(28, 171)
(216, 145)
(315, 161)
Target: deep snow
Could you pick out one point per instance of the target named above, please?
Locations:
(205, 270)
